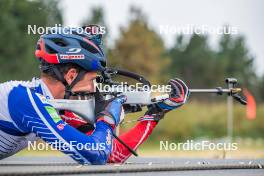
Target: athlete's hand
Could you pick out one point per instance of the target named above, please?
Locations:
(178, 96)
(110, 111)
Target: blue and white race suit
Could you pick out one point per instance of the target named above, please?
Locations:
(26, 116)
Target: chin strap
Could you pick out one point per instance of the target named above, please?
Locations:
(68, 88)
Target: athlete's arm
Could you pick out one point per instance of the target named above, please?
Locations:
(32, 113)
(138, 134)
(133, 138)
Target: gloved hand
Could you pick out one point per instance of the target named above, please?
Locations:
(110, 111)
(178, 96)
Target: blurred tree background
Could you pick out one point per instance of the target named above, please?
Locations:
(140, 48)
(17, 47)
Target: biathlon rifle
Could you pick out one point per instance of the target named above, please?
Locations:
(136, 99)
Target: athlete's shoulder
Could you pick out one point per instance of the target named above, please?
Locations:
(21, 94)
(14, 83)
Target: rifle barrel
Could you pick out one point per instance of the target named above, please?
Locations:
(209, 90)
(216, 90)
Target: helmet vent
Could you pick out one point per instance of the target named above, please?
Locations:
(88, 47)
(50, 50)
(60, 42)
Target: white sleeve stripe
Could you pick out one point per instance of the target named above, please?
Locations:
(118, 158)
(49, 126)
(115, 151)
(121, 155)
(144, 135)
(29, 122)
(113, 159)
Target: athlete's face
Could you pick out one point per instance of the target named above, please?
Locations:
(86, 84)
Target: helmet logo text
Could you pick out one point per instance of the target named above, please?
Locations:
(74, 50)
(71, 57)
